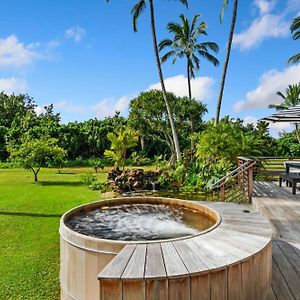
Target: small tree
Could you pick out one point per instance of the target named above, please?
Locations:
(123, 140)
(97, 164)
(35, 153)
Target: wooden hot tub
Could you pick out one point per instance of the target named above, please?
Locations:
(230, 260)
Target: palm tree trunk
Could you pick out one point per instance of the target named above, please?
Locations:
(235, 6)
(189, 77)
(170, 115)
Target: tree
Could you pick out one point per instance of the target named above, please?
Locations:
(136, 11)
(185, 44)
(226, 141)
(33, 154)
(291, 98)
(295, 30)
(17, 114)
(148, 115)
(123, 140)
(228, 50)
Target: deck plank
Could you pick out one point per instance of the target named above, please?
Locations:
(283, 211)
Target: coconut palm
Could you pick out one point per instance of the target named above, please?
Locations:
(295, 30)
(136, 11)
(290, 99)
(185, 44)
(228, 50)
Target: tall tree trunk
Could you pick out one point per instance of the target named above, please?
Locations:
(297, 132)
(170, 115)
(235, 6)
(142, 142)
(189, 77)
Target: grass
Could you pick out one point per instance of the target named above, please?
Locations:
(29, 221)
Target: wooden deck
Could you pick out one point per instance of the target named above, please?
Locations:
(283, 210)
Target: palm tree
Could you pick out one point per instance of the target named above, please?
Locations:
(295, 30)
(290, 99)
(185, 44)
(136, 11)
(228, 50)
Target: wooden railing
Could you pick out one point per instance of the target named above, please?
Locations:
(237, 186)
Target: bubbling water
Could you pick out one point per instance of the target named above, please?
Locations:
(134, 222)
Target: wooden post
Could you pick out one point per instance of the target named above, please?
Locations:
(250, 184)
(222, 192)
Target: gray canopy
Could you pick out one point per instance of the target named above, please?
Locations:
(291, 115)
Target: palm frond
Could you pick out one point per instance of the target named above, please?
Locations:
(212, 46)
(295, 28)
(195, 60)
(167, 55)
(165, 43)
(294, 59)
(280, 95)
(136, 11)
(209, 57)
(201, 29)
(174, 28)
(195, 20)
(225, 4)
(184, 2)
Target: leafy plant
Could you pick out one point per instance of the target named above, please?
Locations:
(97, 164)
(123, 140)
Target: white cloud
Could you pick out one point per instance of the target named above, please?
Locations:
(264, 6)
(76, 33)
(40, 110)
(109, 106)
(266, 26)
(69, 107)
(16, 54)
(269, 84)
(13, 85)
(201, 86)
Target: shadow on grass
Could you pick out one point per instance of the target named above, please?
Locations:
(27, 214)
(65, 173)
(60, 183)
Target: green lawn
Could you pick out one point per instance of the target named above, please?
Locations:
(29, 221)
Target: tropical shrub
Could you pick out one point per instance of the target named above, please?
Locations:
(121, 141)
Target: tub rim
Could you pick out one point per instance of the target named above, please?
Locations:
(126, 200)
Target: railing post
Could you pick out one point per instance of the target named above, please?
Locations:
(250, 184)
(222, 192)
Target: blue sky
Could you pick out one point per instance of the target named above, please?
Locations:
(84, 57)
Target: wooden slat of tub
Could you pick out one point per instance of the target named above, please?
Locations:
(216, 263)
(247, 242)
(157, 289)
(133, 284)
(266, 269)
(179, 287)
(133, 290)
(200, 280)
(190, 258)
(110, 289)
(245, 228)
(155, 274)
(218, 285)
(251, 276)
(110, 285)
(212, 261)
(173, 263)
(116, 267)
(135, 268)
(155, 267)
